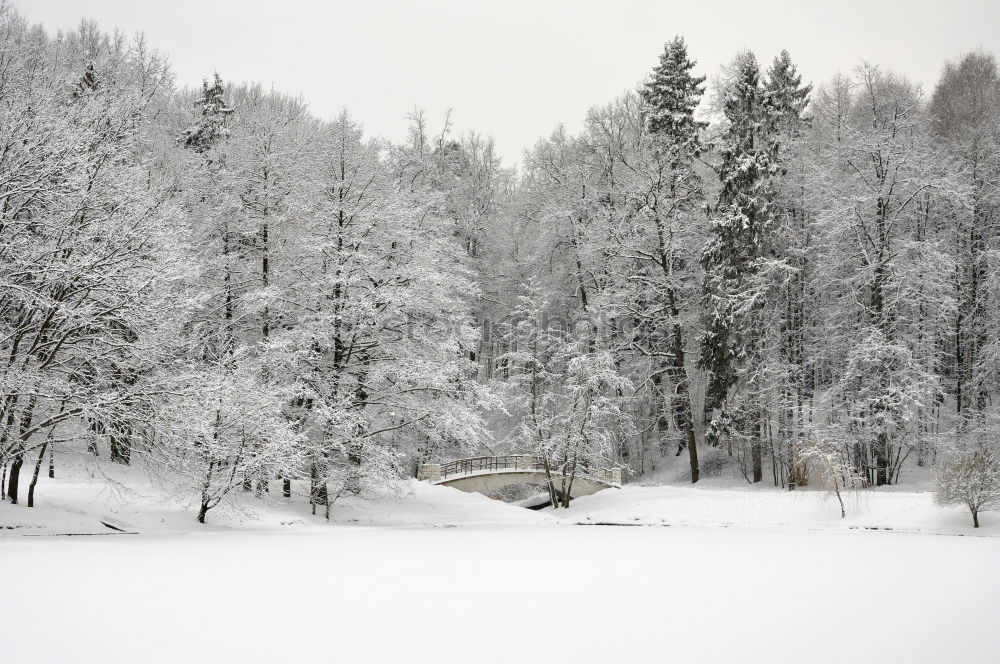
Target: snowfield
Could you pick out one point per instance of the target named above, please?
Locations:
(489, 593)
(432, 574)
(891, 510)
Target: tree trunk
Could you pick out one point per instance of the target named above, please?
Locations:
(15, 475)
(882, 461)
(568, 488)
(34, 475)
(692, 450)
(206, 485)
(318, 494)
(683, 410)
(204, 508)
(756, 452)
(550, 483)
(15, 467)
(756, 459)
(975, 518)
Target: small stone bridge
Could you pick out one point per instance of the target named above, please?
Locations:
(489, 474)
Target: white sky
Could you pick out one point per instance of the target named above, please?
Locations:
(517, 68)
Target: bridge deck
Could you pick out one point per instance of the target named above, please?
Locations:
(515, 463)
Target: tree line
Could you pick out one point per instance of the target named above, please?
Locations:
(244, 298)
(795, 281)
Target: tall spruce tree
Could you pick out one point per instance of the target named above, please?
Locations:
(787, 99)
(211, 126)
(736, 262)
(670, 98)
(785, 94)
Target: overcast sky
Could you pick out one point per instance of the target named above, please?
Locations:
(517, 68)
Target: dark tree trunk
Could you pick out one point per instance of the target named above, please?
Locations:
(317, 489)
(34, 475)
(682, 402)
(756, 447)
(756, 459)
(15, 466)
(15, 476)
(203, 510)
(882, 461)
(683, 413)
(207, 484)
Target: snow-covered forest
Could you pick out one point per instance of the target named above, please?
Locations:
(377, 383)
(790, 282)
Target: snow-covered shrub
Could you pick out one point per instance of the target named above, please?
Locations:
(829, 465)
(970, 478)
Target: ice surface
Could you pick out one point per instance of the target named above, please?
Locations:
(503, 593)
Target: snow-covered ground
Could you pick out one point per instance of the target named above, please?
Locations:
(86, 492)
(503, 593)
(447, 576)
(704, 505)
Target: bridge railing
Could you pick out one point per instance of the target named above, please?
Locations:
(566, 468)
(480, 464)
(485, 464)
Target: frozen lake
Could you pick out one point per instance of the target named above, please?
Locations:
(487, 593)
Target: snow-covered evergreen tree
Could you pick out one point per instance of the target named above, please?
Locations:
(211, 125)
(740, 265)
(672, 198)
(671, 97)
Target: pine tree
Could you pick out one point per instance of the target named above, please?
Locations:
(211, 126)
(785, 95)
(671, 97)
(787, 100)
(736, 259)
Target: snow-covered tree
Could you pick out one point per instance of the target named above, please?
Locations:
(740, 265)
(211, 125)
(670, 202)
(379, 330)
(886, 286)
(220, 427)
(83, 238)
(965, 112)
(970, 478)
